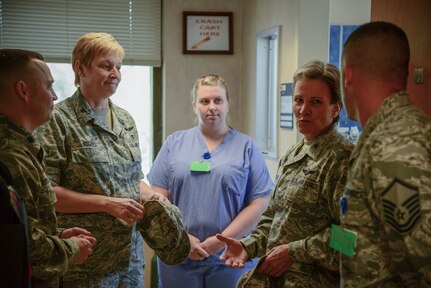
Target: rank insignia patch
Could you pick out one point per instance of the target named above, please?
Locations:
(401, 206)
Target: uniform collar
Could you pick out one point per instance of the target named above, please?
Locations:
(315, 146)
(85, 113)
(11, 130)
(388, 107)
(83, 109)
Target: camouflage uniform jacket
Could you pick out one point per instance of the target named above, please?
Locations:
(88, 157)
(389, 199)
(303, 205)
(50, 256)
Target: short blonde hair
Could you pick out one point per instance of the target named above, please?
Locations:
(90, 45)
(209, 80)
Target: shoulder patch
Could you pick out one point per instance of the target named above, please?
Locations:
(401, 206)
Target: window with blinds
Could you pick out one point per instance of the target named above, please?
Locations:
(52, 27)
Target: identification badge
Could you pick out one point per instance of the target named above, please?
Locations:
(200, 166)
(343, 240)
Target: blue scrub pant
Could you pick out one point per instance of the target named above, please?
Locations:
(198, 274)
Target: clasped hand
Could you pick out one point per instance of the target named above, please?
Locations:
(83, 239)
(200, 250)
(277, 260)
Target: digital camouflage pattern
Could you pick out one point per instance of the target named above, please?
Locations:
(84, 155)
(130, 277)
(50, 256)
(389, 199)
(253, 279)
(303, 205)
(163, 230)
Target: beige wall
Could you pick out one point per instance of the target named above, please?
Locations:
(181, 71)
(258, 16)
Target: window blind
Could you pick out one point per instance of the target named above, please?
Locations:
(52, 27)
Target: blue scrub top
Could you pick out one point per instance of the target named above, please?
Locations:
(209, 201)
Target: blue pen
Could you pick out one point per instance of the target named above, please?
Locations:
(343, 205)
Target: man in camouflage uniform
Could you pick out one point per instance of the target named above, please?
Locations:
(26, 101)
(294, 231)
(387, 203)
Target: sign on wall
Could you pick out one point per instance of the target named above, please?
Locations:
(207, 33)
(286, 108)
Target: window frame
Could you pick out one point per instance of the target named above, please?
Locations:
(267, 59)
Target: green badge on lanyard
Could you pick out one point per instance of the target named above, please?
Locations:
(203, 165)
(343, 240)
(200, 166)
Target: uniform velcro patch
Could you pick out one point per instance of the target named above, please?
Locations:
(401, 206)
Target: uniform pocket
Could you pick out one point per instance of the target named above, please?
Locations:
(89, 154)
(235, 180)
(136, 154)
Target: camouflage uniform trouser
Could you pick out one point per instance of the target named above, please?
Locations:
(131, 277)
(253, 279)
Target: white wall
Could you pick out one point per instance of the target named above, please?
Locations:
(258, 16)
(313, 41)
(350, 11)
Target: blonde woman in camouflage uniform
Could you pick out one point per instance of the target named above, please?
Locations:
(388, 195)
(26, 102)
(293, 234)
(94, 164)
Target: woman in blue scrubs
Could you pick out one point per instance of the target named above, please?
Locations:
(218, 179)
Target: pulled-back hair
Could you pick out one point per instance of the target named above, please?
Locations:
(326, 72)
(209, 80)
